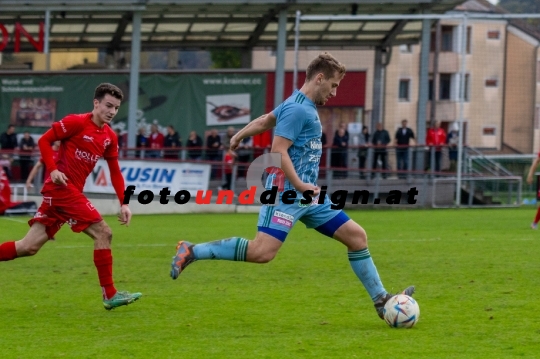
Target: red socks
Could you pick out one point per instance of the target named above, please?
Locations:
(537, 218)
(7, 251)
(103, 262)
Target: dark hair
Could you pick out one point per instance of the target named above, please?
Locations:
(107, 89)
(10, 126)
(327, 64)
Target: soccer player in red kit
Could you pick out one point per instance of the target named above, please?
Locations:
(536, 162)
(85, 138)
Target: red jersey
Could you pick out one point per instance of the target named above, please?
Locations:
(5, 192)
(229, 161)
(156, 140)
(83, 143)
(435, 136)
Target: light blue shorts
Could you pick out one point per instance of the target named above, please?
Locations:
(278, 220)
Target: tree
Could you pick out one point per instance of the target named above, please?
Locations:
(521, 6)
(226, 58)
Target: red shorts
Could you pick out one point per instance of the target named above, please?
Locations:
(65, 205)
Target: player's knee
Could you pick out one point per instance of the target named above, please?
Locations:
(359, 240)
(105, 234)
(362, 236)
(265, 257)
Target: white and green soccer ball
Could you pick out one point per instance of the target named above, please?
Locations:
(401, 311)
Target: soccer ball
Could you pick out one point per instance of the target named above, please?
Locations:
(401, 311)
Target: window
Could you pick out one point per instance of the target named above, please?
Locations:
(404, 89)
(430, 96)
(445, 86)
(493, 35)
(467, 89)
(489, 131)
(447, 39)
(491, 83)
(469, 34)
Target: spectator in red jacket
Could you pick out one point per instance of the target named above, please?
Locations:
(156, 141)
(435, 137)
(5, 192)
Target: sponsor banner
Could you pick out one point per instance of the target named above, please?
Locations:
(153, 176)
(189, 102)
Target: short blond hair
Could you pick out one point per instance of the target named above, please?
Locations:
(326, 64)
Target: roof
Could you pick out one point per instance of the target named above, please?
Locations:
(218, 23)
(484, 6)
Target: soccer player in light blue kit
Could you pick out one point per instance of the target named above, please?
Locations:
(297, 138)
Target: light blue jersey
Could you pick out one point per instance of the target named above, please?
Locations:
(298, 121)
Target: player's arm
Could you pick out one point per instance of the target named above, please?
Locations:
(281, 145)
(255, 127)
(535, 164)
(33, 174)
(47, 154)
(117, 181)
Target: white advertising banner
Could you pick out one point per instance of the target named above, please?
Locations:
(153, 176)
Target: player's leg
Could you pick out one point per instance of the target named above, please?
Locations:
(534, 225)
(273, 226)
(336, 224)
(354, 237)
(101, 233)
(43, 226)
(260, 250)
(28, 246)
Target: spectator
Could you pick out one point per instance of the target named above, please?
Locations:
(402, 140)
(194, 145)
(8, 139)
(213, 144)
(339, 153)
(435, 137)
(380, 140)
(172, 140)
(244, 155)
(156, 140)
(363, 144)
(26, 146)
(343, 126)
(5, 164)
(323, 162)
(227, 141)
(453, 141)
(229, 165)
(121, 143)
(141, 141)
(40, 164)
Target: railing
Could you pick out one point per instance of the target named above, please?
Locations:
(372, 168)
(478, 163)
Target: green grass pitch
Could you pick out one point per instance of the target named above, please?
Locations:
(477, 274)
